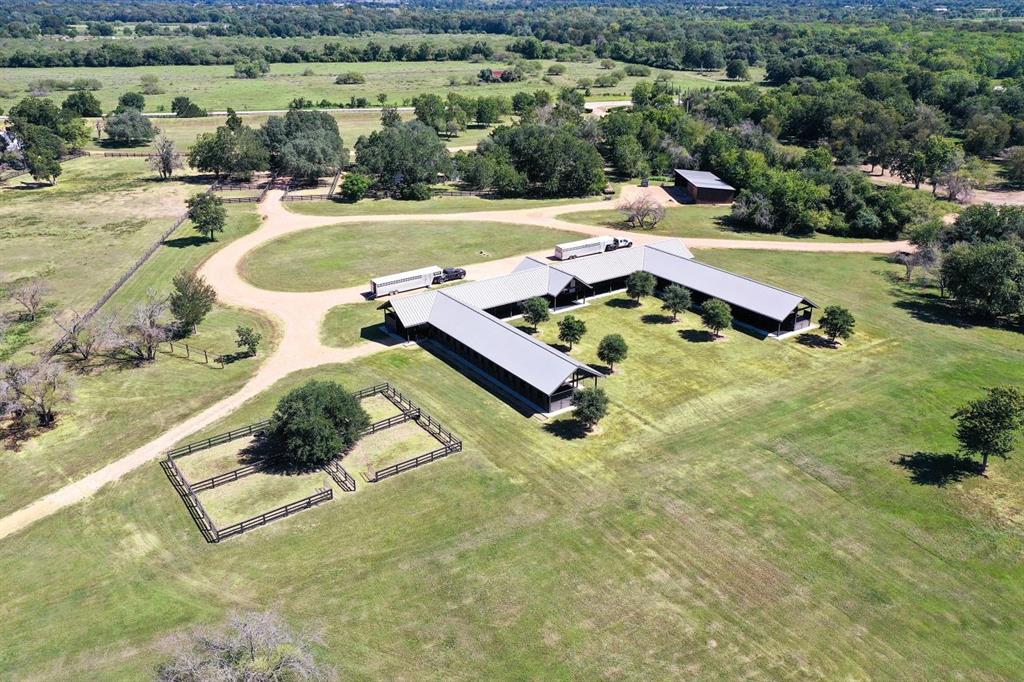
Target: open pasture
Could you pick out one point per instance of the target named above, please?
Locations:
(731, 517)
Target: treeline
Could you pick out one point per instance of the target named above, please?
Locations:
(193, 53)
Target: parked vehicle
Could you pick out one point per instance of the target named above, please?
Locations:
(405, 281)
(588, 247)
(452, 274)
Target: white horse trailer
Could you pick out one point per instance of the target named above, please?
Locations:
(405, 281)
(588, 247)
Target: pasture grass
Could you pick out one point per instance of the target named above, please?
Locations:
(740, 513)
(442, 204)
(351, 253)
(696, 222)
(118, 405)
(215, 88)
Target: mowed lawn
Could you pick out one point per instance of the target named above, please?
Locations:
(694, 222)
(738, 514)
(119, 406)
(433, 205)
(215, 88)
(351, 253)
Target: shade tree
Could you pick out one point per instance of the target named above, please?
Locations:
(207, 213)
(676, 299)
(591, 405)
(191, 300)
(612, 349)
(248, 338)
(32, 393)
(988, 426)
(314, 423)
(535, 311)
(165, 158)
(571, 329)
(837, 322)
(716, 315)
(403, 154)
(640, 284)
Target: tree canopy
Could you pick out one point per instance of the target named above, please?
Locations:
(314, 423)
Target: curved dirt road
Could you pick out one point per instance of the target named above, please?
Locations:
(299, 316)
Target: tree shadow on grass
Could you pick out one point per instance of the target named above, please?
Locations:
(696, 335)
(567, 429)
(561, 347)
(929, 307)
(938, 468)
(186, 242)
(814, 341)
(655, 318)
(622, 303)
(603, 369)
(263, 453)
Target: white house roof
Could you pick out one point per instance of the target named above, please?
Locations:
(533, 361)
(703, 179)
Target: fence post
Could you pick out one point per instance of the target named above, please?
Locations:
(188, 353)
(206, 357)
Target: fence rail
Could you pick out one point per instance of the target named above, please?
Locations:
(193, 350)
(305, 197)
(392, 421)
(192, 504)
(322, 495)
(125, 276)
(408, 464)
(340, 476)
(219, 439)
(239, 200)
(133, 155)
(226, 477)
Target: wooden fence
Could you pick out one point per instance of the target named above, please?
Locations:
(305, 197)
(125, 276)
(188, 496)
(340, 476)
(408, 464)
(191, 351)
(322, 495)
(219, 439)
(123, 155)
(226, 477)
(240, 200)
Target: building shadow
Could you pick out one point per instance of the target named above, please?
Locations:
(480, 379)
(567, 429)
(696, 335)
(656, 318)
(938, 468)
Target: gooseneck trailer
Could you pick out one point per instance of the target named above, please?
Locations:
(405, 281)
(588, 247)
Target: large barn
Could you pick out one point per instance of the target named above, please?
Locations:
(704, 187)
(467, 320)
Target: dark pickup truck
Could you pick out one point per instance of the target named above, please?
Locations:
(450, 275)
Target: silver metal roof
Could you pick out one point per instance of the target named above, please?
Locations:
(758, 297)
(413, 310)
(603, 266)
(703, 179)
(674, 246)
(498, 291)
(533, 361)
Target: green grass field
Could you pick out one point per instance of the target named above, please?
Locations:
(738, 514)
(349, 254)
(82, 234)
(347, 325)
(117, 407)
(215, 88)
(371, 207)
(694, 222)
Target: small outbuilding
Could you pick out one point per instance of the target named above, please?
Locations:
(704, 187)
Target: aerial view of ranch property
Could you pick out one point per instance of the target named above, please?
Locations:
(465, 340)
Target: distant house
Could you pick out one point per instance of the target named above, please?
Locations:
(704, 187)
(467, 320)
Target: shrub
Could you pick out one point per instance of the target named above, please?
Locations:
(350, 78)
(315, 422)
(248, 338)
(418, 191)
(355, 186)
